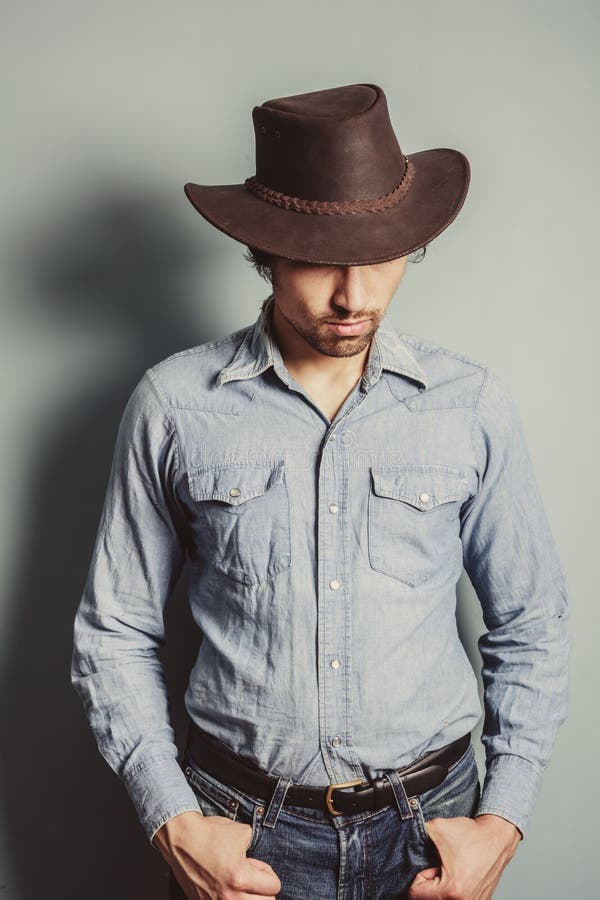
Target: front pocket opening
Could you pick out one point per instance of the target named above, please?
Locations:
(213, 794)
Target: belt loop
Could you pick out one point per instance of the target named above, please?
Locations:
(277, 800)
(404, 807)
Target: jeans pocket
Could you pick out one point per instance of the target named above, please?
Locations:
(216, 798)
(420, 820)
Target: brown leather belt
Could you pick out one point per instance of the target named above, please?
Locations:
(224, 764)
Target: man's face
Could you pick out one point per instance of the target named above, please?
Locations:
(336, 309)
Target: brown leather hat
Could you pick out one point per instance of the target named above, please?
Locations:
(332, 184)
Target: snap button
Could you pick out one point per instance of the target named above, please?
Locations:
(335, 663)
(336, 741)
(413, 802)
(334, 584)
(424, 497)
(260, 810)
(333, 507)
(234, 492)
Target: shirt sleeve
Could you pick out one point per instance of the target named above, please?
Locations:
(511, 557)
(137, 559)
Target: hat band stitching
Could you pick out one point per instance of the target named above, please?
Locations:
(333, 207)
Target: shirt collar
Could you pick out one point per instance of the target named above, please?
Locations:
(259, 350)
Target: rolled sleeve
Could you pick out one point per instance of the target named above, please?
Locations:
(139, 552)
(512, 560)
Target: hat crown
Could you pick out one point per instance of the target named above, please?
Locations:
(331, 145)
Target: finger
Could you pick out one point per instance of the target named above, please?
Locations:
(427, 874)
(258, 863)
(425, 890)
(420, 888)
(261, 879)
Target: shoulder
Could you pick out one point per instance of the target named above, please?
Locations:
(454, 378)
(427, 351)
(183, 379)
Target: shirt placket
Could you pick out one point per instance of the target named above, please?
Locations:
(334, 600)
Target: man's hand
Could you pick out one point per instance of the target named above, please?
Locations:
(473, 853)
(208, 857)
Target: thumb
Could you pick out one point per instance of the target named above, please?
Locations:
(425, 885)
(257, 863)
(265, 884)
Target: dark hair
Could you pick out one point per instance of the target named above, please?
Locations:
(261, 261)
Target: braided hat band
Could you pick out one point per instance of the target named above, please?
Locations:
(334, 207)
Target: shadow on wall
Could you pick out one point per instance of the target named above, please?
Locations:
(121, 264)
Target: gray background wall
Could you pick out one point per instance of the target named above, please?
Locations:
(107, 110)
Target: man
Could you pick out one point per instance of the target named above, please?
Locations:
(327, 478)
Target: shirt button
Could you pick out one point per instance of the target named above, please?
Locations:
(333, 507)
(234, 492)
(336, 741)
(335, 663)
(334, 584)
(332, 436)
(424, 496)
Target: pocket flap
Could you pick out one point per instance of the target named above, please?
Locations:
(423, 487)
(234, 483)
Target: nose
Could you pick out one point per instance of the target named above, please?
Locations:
(351, 292)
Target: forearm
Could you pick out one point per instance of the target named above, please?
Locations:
(120, 680)
(525, 697)
(139, 552)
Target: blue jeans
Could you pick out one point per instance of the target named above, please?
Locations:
(361, 856)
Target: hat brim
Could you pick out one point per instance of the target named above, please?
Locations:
(436, 195)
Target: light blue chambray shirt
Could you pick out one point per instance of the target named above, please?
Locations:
(323, 563)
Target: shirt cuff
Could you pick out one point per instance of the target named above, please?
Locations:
(159, 790)
(510, 789)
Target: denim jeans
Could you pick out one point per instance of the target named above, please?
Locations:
(361, 856)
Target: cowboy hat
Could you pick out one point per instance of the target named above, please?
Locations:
(332, 184)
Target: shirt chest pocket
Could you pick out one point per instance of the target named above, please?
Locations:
(241, 518)
(413, 522)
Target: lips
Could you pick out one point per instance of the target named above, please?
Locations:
(348, 328)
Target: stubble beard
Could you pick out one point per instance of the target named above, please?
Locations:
(324, 341)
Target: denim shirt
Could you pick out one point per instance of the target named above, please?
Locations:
(323, 562)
